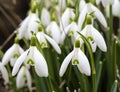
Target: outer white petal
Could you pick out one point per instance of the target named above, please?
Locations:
(99, 39)
(54, 30)
(4, 73)
(45, 17)
(20, 79)
(107, 2)
(23, 28)
(81, 5)
(99, 16)
(116, 8)
(20, 49)
(81, 18)
(94, 46)
(83, 65)
(41, 67)
(19, 62)
(98, 2)
(65, 63)
(9, 53)
(53, 43)
(29, 79)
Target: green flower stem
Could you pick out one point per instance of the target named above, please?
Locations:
(91, 62)
(114, 86)
(13, 84)
(99, 70)
(26, 43)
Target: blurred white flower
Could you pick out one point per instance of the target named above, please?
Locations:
(23, 76)
(89, 8)
(4, 73)
(94, 37)
(54, 31)
(45, 17)
(33, 57)
(66, 17)
(12, 54)
(62, 4)
(115, 9)
(78, 58)
(30, 23)
(105, 3)
(70, 30)
(42, 40)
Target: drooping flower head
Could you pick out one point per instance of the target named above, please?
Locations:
(77, 57)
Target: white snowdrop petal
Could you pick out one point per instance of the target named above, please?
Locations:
(19, 62)
(23, 28)
(20, 49)
(54, 30)
(99, 16)
(65, 63)
(53, 43)
(99, 39)
(41, 67)
(98, 2)
(8, 54)
(20, 79)
(83, 65)
(45, 17)
(81, 5)
(81, 18)
(4, 72)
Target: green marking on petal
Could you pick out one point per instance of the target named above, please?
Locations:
(43, 44)
(16, 55)
(89, 38)
(24, 76)
(71, 33)
(30, 61)
(75, 62)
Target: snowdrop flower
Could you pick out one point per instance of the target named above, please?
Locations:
(42, 40)
(54, 30)
(66, 16)
(89, 8)
(22, 76)
(77, 57)
(71, 31)
(45, 17)
(105, 3)
(115, 9)
(28, 24)
(4, 72)
(32, 57)
(94, 37)
(12, 54)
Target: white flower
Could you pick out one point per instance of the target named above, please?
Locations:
(66, 16)
(45, 17)
(78, 58)
(71, 31)
(89, 8)
(4, 72)
(105, 3)
(54, 30)
(94, 37)
(28, 24)
(33, 57)
(22, 76)
(12, 54)
(42, 40)
(115, 9)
